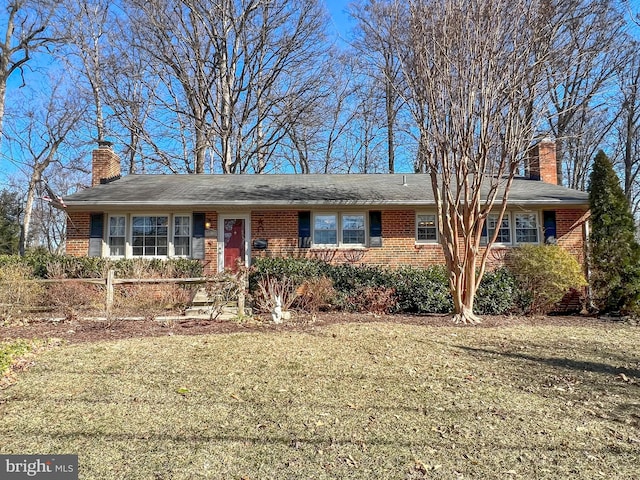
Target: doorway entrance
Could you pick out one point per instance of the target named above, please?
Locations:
(233, 243)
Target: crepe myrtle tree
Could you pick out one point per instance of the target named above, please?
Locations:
(473, 68)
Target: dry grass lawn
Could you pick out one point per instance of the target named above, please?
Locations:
(357, 401)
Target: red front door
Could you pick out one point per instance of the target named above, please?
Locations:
(234, 243)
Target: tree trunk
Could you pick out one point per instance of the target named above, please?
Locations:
(391, 114)
(3, 95)
(463, 293)
(28, 213)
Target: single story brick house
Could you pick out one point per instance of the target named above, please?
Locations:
(382, 219)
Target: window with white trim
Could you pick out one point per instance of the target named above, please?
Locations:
(353, 229)
(150, 235)
(325, 229)
(117, 235)
(339, 229)
(526, 227)
(504, 230)
(182, 235)
(426, 228)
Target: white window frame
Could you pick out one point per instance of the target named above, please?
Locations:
(189, 235)
(536, 216)
(339, 219)
(128, 249)
(511, 216)
(337, 230)
(435, 218)
(364, 229)
(109, 236)
(490, 232)
(144, 247)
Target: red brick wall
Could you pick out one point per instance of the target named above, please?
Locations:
(542, 162)
(105, 164)
(210, 244)
(78, 234)
(569, 231)
(280, 228)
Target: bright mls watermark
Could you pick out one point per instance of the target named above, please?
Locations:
(50, 467)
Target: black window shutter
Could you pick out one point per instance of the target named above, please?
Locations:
(197, 242)
(375, 228)
(304, 229)
(96, 231)
(198, 225)
(96, 225)
(549, 221)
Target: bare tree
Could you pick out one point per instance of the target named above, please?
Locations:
(87, 45)
(472, 72)
(586, 59)
(229, 68)
(23, 32)
(37, 140)
(627, 126)
(375, 45)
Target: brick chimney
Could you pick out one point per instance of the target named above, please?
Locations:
(542, 162)
(105, 164)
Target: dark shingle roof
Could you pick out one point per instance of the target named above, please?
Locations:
(201, 191)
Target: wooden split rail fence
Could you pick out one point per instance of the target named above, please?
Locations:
(110, 281)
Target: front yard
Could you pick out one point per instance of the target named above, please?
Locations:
(351, 400)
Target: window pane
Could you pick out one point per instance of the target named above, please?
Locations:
(181, 227)
(117, 236)
(427, 227)
(116, 246)
(325, 230)
(181, 235)
(150, 235)
(325, 222)
(326, 237)
(353, 229)
(504, 232)
(181, 246)
(526, 228)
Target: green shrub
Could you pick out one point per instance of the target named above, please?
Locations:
(296, 269)
(498, 293)
(422, 290)
(545, 273)
(615, 252)
(377, 288)
(348, 278)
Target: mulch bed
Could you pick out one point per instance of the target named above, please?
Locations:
(94, 330)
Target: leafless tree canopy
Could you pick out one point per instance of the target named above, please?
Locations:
(458, 89)
(473, 68)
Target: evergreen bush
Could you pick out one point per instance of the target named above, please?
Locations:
(406, 289)
(545, 273)
(498, 293)
(614, 251)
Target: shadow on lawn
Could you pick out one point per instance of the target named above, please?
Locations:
(560, 362)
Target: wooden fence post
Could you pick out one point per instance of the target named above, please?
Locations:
(109, 302)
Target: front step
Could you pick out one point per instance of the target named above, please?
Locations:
(202, 306)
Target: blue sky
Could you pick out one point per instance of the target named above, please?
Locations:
(337, 10)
